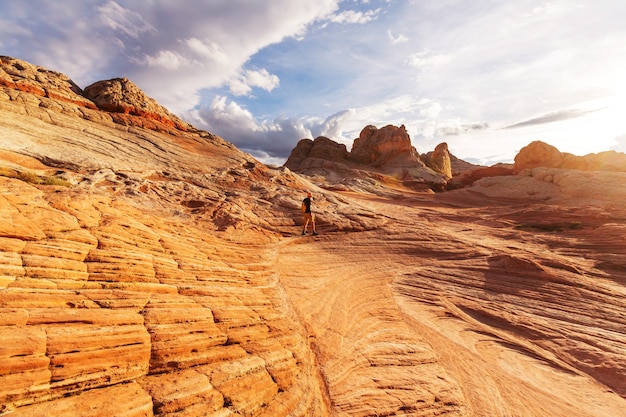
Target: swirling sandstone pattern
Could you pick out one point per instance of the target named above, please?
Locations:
(488, 311)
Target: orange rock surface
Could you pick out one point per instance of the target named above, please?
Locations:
(151, 270)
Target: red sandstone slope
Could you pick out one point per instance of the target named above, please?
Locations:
(147, 268)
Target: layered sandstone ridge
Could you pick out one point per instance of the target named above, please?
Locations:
(137, 274)
(151, 269)
(121, 100)
(109, 310)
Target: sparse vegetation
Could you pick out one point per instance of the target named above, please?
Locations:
(32, 178)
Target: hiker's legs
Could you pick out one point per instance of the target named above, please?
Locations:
(308, 218)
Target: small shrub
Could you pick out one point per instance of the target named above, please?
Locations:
(29, 177)
(55, 181)
(32, 178)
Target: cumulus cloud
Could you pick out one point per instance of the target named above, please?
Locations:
(269, 138)
(171, 52)
(224, 116)
(510, 59)
(272, 140)
(207, 49)
(244, 83)
(167, 60)
(265, 157)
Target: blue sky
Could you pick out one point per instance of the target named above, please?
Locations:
(485, 76)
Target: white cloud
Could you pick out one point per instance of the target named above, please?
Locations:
(244, 83)
(511, 62)
(621, 143)
(169, 60)
(207, 49)
(223, 115)
(124, 20)
(273, 138)
(426, 59)
(396, 39)
(455, 127)
(432, 111)
(265, 157)
(171, 52)
(354, 17)
(544, 9)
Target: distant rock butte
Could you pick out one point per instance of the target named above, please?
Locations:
(148, 268)
(387, 146)
(539, 154)
(387, 151)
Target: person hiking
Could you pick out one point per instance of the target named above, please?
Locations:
(308, 216)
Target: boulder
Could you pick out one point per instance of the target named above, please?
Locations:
(119, 95)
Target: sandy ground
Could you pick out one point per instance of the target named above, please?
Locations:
(450, 311)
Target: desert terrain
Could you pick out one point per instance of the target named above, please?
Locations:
(148, 268)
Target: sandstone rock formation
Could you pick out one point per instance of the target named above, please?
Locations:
(122, 96)
(540, 154)
(319, 153)
(151, 269)
(376, 153)
(388, 146)
(22, 76)
(440, 161)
